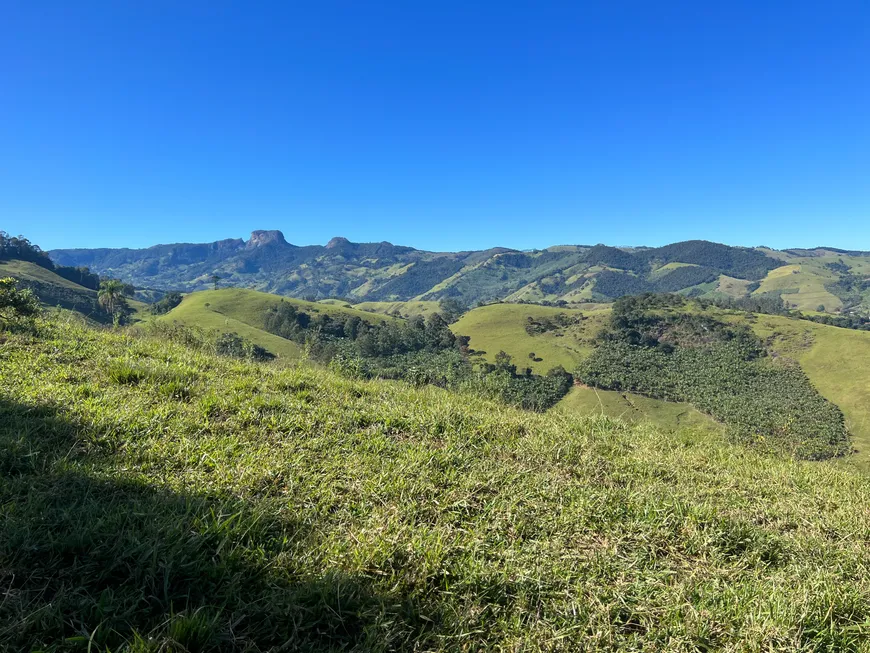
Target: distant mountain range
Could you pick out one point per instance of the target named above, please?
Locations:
(829, 278)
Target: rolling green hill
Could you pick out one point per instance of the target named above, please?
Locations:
(836, 360)
(54, 290)
(236, 310)
(502, 327)
(160, 498)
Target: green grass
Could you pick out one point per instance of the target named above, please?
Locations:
(243, 311)
(669, 267)
(732, 287)
(193, 312)
(802, 286)
(501, 327)
(32, 272)
(28, 271)
(405, 309)
(665, 415)
(284, 508)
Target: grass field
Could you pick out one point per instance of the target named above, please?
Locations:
(633, 408)
(32, 272)
(159, 499)
(405, 309)
(802, 286)
(732, 287)
(501, 327)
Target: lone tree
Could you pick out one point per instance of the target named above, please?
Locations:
(111, 295)
(214, 279)
(16, 303)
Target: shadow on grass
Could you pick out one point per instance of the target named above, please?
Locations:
(90, 556)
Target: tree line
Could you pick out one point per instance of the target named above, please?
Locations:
(418, 350)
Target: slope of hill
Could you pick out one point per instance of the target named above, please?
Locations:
(382, 272)
(665, 415)
(503, 327)
(403, 309)
(270, 506)
(836, 360)
(830, 279)
(54, 290)
(236, 310)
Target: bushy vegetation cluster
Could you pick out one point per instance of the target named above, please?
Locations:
(654, 347)
(851, 288)
(156, 498)
(537, 326)
(210, 341)
(419, 350)
(20, 248)
(858, 322)
(18, 306)
(610, 284)
(768, 303)
(166, 303)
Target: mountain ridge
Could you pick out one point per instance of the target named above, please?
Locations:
(382, 271)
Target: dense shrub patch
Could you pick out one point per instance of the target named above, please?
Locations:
(652, 349)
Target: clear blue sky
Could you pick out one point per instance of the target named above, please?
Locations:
(442, 125)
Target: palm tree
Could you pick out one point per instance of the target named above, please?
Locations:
(111, 295)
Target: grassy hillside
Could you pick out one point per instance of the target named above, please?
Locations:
(242, 311)
(405, 309)
(810, 278)
(502, 327)
(801, 288)
(633, 408)
(837, 361)
(158, 499)
(53, 290)
(27, 271)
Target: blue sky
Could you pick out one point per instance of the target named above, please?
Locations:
(442, 125)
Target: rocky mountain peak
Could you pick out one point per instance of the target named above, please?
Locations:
(338, 241)
(261, 237)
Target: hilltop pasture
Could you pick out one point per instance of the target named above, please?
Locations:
(502, 327)
(243, 311)
(157, 498)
